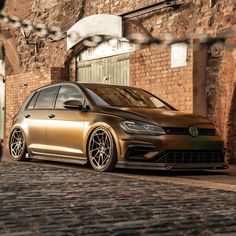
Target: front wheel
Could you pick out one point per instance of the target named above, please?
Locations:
(17, 145)
(102, 150)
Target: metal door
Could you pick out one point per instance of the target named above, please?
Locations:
(110, 70)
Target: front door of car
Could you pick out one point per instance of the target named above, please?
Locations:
(65, 126)
(36, 116)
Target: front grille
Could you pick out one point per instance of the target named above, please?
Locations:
(203, 131)
(192, 157)
(185, 131)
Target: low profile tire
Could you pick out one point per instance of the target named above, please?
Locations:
(17, 145)
(102, 150)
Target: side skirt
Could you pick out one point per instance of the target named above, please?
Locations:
(66, 159)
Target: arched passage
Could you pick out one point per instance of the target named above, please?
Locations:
(10, 51)
(108, 62)
(231, 130)
(229, 75)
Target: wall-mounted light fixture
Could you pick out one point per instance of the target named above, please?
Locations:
(212, 3)
(26, 36)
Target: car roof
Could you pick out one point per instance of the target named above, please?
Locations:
(105, 85)
(98, 85)
(83, 86)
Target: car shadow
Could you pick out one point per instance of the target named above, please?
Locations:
(170, 173)
(141, 172)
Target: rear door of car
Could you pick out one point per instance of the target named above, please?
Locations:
(65, 126)
(36, 116)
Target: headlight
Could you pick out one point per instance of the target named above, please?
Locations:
(138, 127)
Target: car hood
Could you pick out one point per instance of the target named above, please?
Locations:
(162, 117)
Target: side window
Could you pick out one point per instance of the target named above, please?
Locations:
(46, 98)
(32, 101)
(66, 93)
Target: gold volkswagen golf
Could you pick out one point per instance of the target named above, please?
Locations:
(112, 126)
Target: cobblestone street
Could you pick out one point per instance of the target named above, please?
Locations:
(39, 199)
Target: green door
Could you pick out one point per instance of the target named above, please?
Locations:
(110, 70)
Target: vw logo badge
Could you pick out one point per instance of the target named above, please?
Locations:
(193, 131)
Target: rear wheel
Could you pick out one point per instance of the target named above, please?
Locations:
(18, 145)
(101, 150)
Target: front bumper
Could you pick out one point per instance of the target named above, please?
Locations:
(169, 152)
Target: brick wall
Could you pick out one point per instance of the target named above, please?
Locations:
(226, 103)
(20, 8)
(58, 74)
(151, 69)
(193, 17)
(17, 88)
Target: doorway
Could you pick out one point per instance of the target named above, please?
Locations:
(110, 70)
(107, 63)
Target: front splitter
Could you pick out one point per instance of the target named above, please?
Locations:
(169, 166)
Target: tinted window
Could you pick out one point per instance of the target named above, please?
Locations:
(124, 97)
(46, 98)
(32, 101)
(66, 93)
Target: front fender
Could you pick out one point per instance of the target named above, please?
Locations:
(109, 128)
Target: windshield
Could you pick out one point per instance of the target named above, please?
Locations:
(124, 97)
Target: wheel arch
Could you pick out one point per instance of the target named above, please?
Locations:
(18, 144)
(110, 129)
(17, 126)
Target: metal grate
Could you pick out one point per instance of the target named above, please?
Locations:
(185, 131)
(192, 157)
(207, 131)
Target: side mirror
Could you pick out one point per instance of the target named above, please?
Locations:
(73, 104)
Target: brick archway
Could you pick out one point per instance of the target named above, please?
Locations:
(229, 75)
(221, 97)
(231, 131)
(10, 51)
(130, 27)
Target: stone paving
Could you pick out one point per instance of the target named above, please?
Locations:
(47, 200)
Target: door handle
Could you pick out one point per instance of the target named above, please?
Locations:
(51, 116)
(27, 115)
